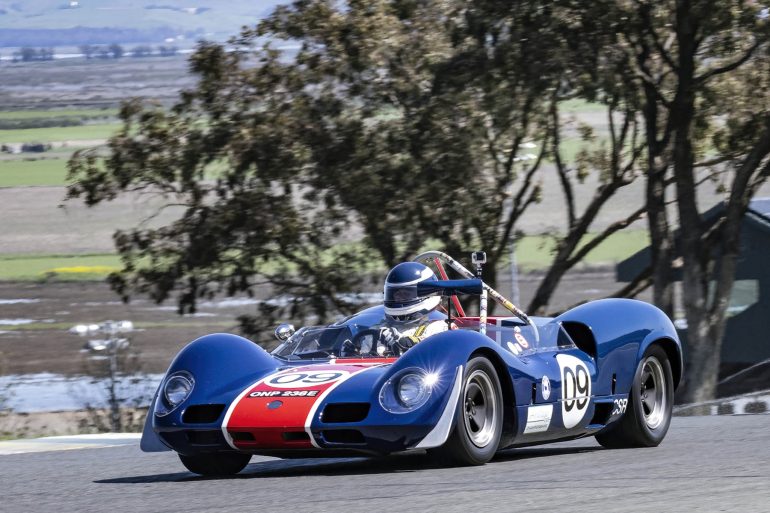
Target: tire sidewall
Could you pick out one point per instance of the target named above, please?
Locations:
(216, 464)
(475, 454)
(653, 436)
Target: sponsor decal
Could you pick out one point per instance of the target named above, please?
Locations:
(306, 379)
(521, 340)
(284, 393)
(619, 406)
(545, 387)
(575, 389)
(538, 418)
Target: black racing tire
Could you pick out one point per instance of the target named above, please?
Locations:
(650, 402)
(216, 463)
(478, 423)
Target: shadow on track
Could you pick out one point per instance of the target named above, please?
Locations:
(344, 466)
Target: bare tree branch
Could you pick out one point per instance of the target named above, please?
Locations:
(601, 237)
(566, 185)
(729, 67)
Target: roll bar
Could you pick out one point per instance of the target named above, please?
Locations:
(501, 300)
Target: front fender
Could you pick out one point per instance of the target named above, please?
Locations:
(222, 365)
(444, 351)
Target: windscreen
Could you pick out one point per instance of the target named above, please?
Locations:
(314, 342)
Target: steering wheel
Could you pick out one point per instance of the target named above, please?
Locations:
(358, 338)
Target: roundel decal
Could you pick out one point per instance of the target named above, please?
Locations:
(306, 378)
(575, 389)
(545, 386)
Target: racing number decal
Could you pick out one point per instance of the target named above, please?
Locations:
(305, 379)
(575, 389)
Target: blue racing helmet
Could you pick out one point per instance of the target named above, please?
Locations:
(402, 302)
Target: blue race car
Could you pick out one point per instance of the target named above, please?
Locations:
(607, 368)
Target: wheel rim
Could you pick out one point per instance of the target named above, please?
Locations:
(652, 392)
(480, 408)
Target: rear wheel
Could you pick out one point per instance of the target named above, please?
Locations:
(216, 463)
(650, 403)
(479, 417)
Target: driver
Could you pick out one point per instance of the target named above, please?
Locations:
(406, 313)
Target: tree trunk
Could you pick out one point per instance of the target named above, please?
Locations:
(661, 239)
(661, 243)
(702, 367)
(700, 374)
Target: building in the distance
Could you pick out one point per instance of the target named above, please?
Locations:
(747, 338)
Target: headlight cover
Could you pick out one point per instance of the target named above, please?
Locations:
(407, 390)
(176, 388)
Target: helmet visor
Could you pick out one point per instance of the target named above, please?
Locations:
(395, 295)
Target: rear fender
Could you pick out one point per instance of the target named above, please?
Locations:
(670, 344)
(623, 329)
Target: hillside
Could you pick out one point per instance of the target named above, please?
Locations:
(76, 22)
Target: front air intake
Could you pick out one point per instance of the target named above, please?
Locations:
(242, 436)
(344, 412)
(296, 436)
(202, 413)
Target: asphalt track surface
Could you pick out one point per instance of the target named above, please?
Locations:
(705, 464)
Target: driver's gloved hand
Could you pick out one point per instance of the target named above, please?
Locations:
(389, 336)
(348, 349)
(400, 345)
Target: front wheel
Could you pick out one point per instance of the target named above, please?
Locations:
(479, 417)
(650, 403)
(216, 463)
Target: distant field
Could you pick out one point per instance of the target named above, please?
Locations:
(536, 252)
(215, 19)
(71, 133)
(27, 173)
(59, 267)
(58, 113)
(532, 253)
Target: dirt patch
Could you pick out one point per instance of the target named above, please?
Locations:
(37, 220)
(31, 425)
(34, 348)
(79, 82)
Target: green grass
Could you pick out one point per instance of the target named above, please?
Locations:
(25, 173)
(577, 106)
(64, 113)
(57, 267)
(532, 253)
(72, 133)
(536, 252)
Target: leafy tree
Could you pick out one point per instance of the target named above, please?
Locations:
(167, 51)
(116, 51)
(406, 119)
(88, 51)
(141, 51)
(403, 118)
(234, 163)
(702, 70)
(28, 54)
